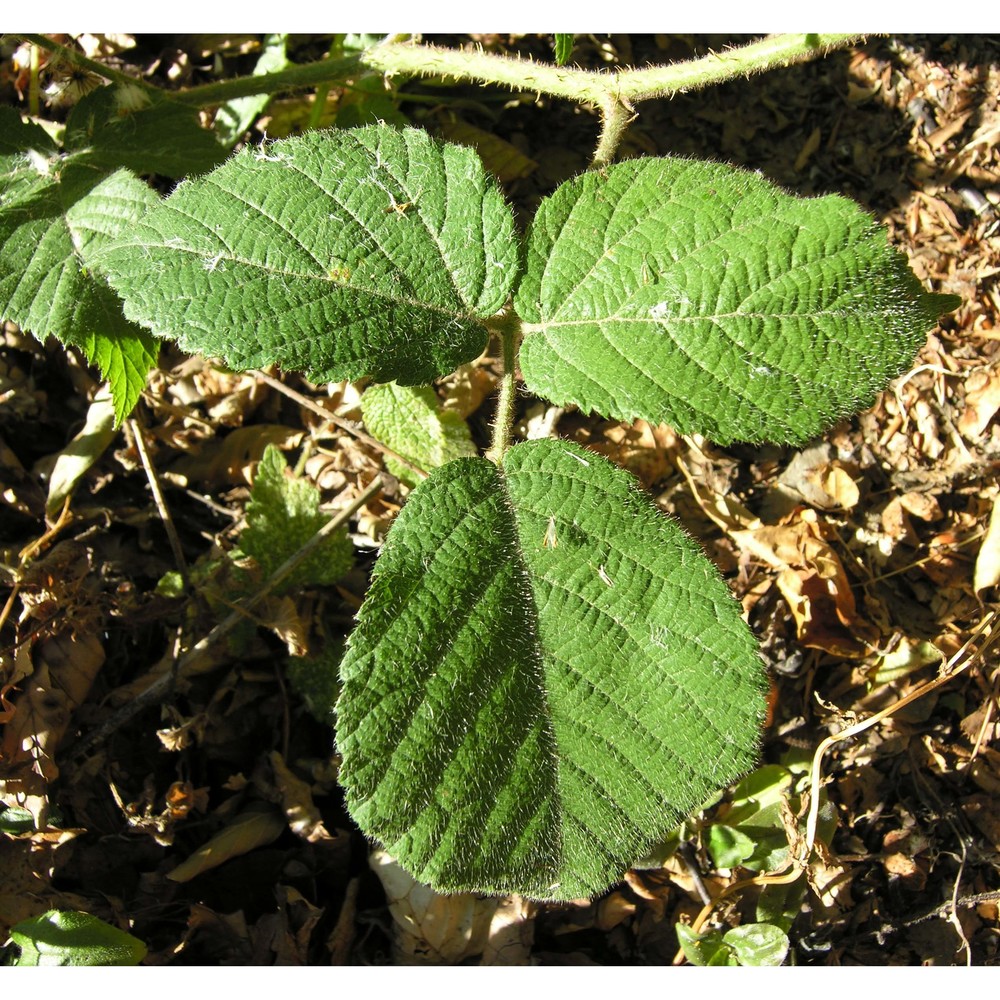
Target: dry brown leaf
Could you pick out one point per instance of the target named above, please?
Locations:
(285, 934)
(281, 615)
(642, 448)
(431, 928)
(987, 571)
(838, 484)
(896, 522)
(303, 817)
(231, 461)
(65, 667)
(244, 834)
(463, 391)
(813, 582)
(613, 910)
(922, 505)
(511, 934)
(982, 400)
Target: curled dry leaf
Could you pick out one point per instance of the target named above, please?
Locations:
(987, 572)
(245, 833)
(297, 802)
(982, 400)
(813, 582)
(65, 667)
(431, 928)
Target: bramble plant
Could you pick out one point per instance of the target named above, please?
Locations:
(547, 674)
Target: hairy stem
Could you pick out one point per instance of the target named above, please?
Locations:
(600, 88)
(615, 118)
(504, 421)
(585, 86)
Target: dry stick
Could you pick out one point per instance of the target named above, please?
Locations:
(344, 425)
(158, 689)
(161, 503)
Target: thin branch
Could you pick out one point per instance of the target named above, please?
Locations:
(598, 88)
(161, 503)
(302, 75)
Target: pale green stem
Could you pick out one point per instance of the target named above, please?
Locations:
(335, 51)
(600, 88)
(588, 87)
(504, 421)
(616, 116)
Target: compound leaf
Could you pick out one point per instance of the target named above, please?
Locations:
(54, 215)
(703, 296)
(358, 252)
(409, 419)
(547, 674)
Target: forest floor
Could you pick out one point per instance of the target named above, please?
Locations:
(866, 563)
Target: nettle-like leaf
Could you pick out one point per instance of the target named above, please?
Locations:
(410, 420)
(546, 676)
(54, 215)
(359, 252)
(282, 515)
(702, 296)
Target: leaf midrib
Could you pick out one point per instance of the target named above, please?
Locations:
(323, 279)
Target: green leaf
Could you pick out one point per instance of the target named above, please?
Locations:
(706, 948)
(234, 117)
(282, 515)
(753, 834)
(348, 253)
(563, 47)
(123, 126)
(15, 820)
(779, 903)
(125, 362)
(758, 944)
(409, 419)
(701, 295)
(53, 217)
(547, 674)
(66, 937)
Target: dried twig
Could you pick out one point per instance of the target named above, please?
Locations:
(161, 503)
